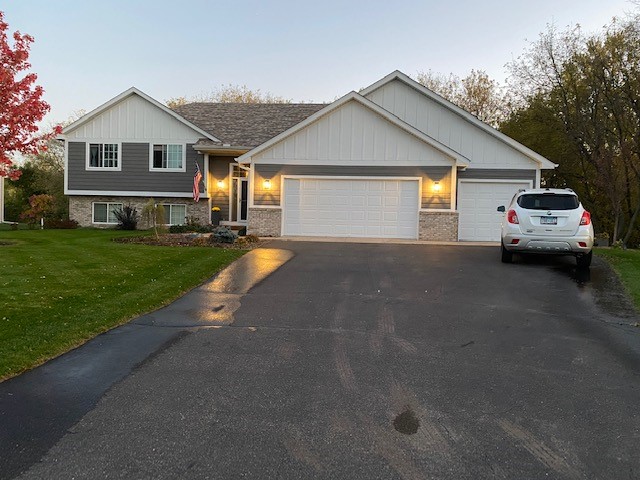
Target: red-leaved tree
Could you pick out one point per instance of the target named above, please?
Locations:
(21, 104)
(39, 207)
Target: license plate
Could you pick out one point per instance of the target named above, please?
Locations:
(548, 220)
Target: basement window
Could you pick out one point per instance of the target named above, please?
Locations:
(105, 212)
(175, 214)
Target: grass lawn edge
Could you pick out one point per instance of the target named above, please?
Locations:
(626, 266)
(111, 320)
(119, 323)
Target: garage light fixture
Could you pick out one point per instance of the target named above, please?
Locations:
(266, 184)
(220, 184)
(436, 187)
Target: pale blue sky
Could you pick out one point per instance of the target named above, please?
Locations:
(86, 52)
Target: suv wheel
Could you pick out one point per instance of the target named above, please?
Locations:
(507, 256)
(584, 261)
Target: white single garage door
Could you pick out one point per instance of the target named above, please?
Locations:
(477, 203)
(350, 208)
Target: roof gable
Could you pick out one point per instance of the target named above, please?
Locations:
(338, 133)
(129, 116)
(460, 127)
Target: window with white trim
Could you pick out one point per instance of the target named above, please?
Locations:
(103, 155)
(105, 212)
(167, 157)
(175, 214)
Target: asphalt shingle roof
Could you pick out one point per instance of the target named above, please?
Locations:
(246, 124)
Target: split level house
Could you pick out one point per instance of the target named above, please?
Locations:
(394, 160)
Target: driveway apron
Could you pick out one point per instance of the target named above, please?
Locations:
(357, 361)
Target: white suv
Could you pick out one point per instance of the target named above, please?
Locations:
(550, 221)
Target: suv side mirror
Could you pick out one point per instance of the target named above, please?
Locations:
(501, 209)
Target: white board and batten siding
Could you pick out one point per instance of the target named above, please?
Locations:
(478, 201)
(449, 128)
(351, 207)
(352, 135)
(134, 119)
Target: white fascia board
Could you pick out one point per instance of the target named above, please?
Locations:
(398, 75)
(354, 96)
(113, 193)
(134, 91)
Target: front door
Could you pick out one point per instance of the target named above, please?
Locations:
(239, 199)
(241, 208)
(238, 202)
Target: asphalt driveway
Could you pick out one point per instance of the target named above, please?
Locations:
(349, 361)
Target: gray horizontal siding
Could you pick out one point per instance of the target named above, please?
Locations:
(497, 174)
(274, 172)
(134, 176)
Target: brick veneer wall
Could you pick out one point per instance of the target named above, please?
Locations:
(80, 208)
(264, 222)
(440, 226)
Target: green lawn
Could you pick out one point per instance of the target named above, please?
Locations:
(59, 288)
(626, 263)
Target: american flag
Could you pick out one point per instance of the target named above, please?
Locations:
(196, 183)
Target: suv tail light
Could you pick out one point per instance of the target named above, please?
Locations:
(513, 218)
(586, 218)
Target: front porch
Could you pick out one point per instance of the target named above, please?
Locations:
(228, 190)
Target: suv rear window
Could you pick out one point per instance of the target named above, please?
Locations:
(548, 201)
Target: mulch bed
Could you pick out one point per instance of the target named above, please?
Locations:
(189, 240)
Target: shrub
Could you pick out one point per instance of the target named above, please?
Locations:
(207, 228)
(60, 223)
(180, 229)
(223, 235)
(127, 217)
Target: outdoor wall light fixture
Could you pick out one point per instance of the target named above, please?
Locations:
(436, 186)
(266, 184)
(220, 184)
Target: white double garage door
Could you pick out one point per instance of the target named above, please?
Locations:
(351, 207)
(387, 208)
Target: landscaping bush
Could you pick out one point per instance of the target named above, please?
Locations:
(60, 223)
(207, 228)
(127, 217)
(180, 229)
(223, 235)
